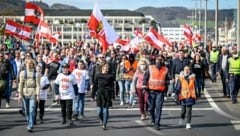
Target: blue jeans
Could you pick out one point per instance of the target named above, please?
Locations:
(199, 84)
(155, 101)
(8, 91)
(214, 71)
(127, 88)
(79, 104)
(103, 114)
(29, 106)
(121, 89)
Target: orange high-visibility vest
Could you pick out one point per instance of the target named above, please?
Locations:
(127, 65)
(157, 78)
(188, 89)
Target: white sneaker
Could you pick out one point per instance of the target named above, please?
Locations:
(7, 105)
(121, 103)
(188, 126)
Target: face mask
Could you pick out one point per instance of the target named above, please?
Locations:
(235, 55)
(143, 67)
(186, 74)
(159, 64)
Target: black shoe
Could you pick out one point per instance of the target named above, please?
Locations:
(75, 116)
(157, 127)
(70, 123)
(41, 121)
(21, 112)
(63, 122)
(234, 102)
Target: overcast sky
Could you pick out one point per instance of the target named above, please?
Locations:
(134, 4)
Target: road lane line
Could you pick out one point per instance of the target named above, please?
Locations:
(216, 107)
(49, 108)
(236, 124)
(158, 132)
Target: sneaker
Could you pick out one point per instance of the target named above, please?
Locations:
(142, 117)
(82, 117)
(7, 105)
(188, 126)
(121, 103)
(104, 127)
(29, 129)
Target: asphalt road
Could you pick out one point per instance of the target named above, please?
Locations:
(212, 115)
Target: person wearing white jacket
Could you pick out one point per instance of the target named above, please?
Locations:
(82, 78)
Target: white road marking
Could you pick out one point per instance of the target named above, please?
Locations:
(49, 108)
(216, 107)
(158, 132)
(236, 124)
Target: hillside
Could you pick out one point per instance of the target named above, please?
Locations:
(166, 16)
(173, 16)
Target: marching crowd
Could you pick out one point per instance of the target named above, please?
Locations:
(68, 72)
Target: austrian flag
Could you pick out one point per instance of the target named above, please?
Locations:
(155, 39)
(99, 28)
(33, 13)
(18, 30)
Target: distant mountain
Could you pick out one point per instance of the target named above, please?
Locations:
(62, 6)
(166, 16)
(174, 16)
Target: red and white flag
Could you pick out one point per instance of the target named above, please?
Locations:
(18, 30)
(123, 41)
(54, 37)
(138, 32)
(197, 37)
(155, 39)
(99, 28)
(43, 30)
(33, 13)
(187, 31)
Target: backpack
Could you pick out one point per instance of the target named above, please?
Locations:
(26, 77)
(2, 86)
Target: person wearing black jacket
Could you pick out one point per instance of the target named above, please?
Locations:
(104, 86)
(198, 70)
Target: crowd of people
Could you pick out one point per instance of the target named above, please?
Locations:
(68, 72)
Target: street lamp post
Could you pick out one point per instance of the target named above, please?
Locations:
(205, 25)
(216, 23)
(238, 27)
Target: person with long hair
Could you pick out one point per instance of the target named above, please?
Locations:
(198, 70)
(136, 87)
(104, 87)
